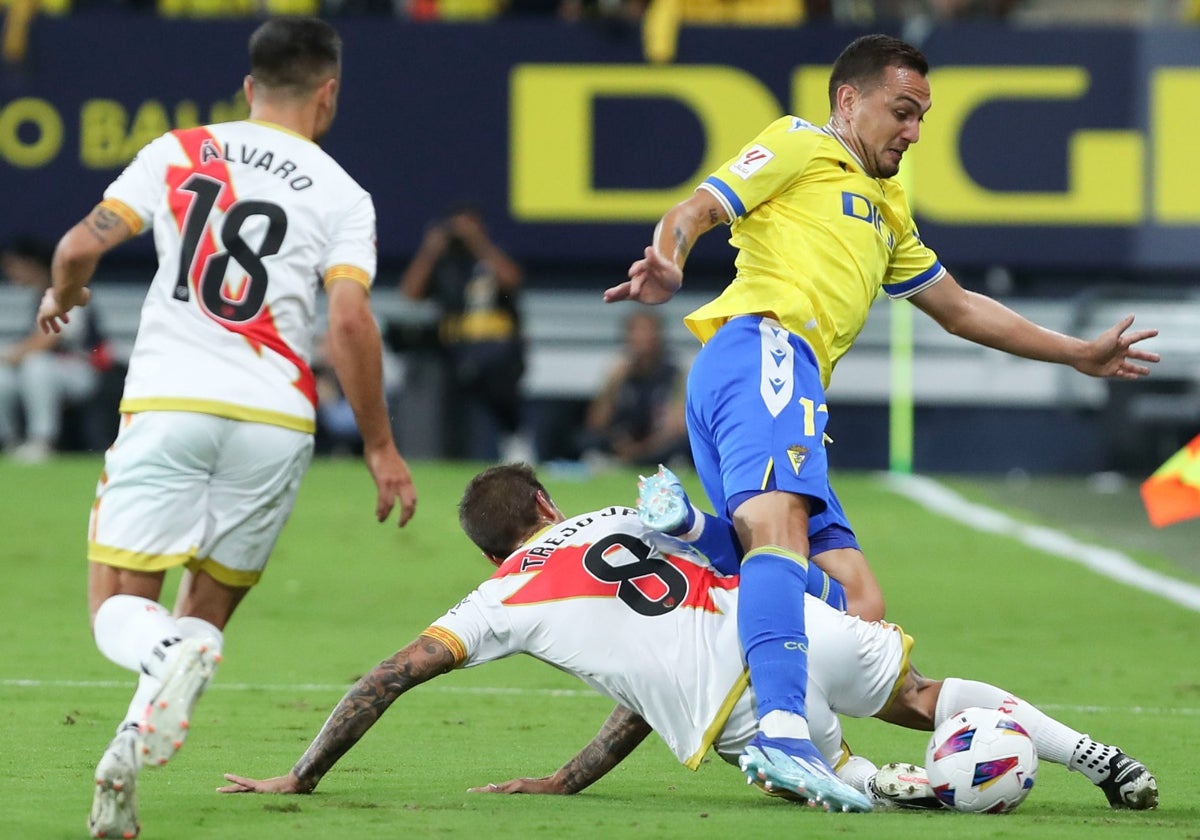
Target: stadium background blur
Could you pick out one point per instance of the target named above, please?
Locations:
(1055, 171)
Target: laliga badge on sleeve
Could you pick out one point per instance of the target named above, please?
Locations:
(755, 158)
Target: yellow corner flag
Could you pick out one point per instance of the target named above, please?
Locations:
(1172, 493)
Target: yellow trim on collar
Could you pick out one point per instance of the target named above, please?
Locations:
(283, 128)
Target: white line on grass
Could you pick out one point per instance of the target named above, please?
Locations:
(521, 692)
(446, 689)
(1105, 561)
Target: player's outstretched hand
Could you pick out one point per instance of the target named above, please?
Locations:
(544, 785)
(1112, 353)
(393, 482)
(52, 314)
(652, 279)
(279, 784)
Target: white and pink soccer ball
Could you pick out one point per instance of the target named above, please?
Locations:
(981, 761)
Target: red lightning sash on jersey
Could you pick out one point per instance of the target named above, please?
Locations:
(260, 331)
(562, 575)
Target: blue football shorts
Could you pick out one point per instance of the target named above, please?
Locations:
(756, 419)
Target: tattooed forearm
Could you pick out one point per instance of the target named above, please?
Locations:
(617, 738)
(682, 246)
(367, 700)
(102, 222)
(714, 218)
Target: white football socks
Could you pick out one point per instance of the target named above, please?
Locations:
(1054, 741)
(191, 627)
(857, 771)
(135, 632)
(187, 627)
(147, 687)
(783, 724)
(1091, 758)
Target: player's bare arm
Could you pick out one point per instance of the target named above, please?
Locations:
(356, 349)
(658, 275)
(363, 704)
(75, 260)
(986, 321)
(621, 733)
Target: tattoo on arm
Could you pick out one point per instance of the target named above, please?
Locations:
(102, 222)
(367, 700)
(617, 738)
(714, 217)
(682, 246)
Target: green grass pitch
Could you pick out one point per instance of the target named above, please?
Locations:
(342, 592)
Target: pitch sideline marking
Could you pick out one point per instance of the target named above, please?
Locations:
(1104, 561)
(526, 692)
(445, 689)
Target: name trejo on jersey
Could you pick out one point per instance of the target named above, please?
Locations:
(255, 158)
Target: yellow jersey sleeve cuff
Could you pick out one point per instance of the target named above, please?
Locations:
(348, 272)
(125, 213)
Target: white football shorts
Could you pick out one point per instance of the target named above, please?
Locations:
(184, 488)
(855, 668)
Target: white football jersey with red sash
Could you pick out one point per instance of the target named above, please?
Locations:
(248, 219)
(638, 616)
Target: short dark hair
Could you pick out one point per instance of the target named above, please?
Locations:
(294, 53)
(865, 59)
(499, 508)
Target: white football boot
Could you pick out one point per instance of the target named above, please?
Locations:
(902, 786)
(114, 804)
(165, 724)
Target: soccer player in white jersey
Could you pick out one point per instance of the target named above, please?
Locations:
(249, 218)
(560, 578)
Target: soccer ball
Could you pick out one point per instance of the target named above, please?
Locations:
(981, 761)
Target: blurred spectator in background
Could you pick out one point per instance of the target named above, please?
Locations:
(43, 373)
(638, 416)
(476, 286)
(337, 430)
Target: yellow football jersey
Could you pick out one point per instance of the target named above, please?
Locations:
(817, 238)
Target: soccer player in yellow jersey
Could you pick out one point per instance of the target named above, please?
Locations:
(820, 227)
